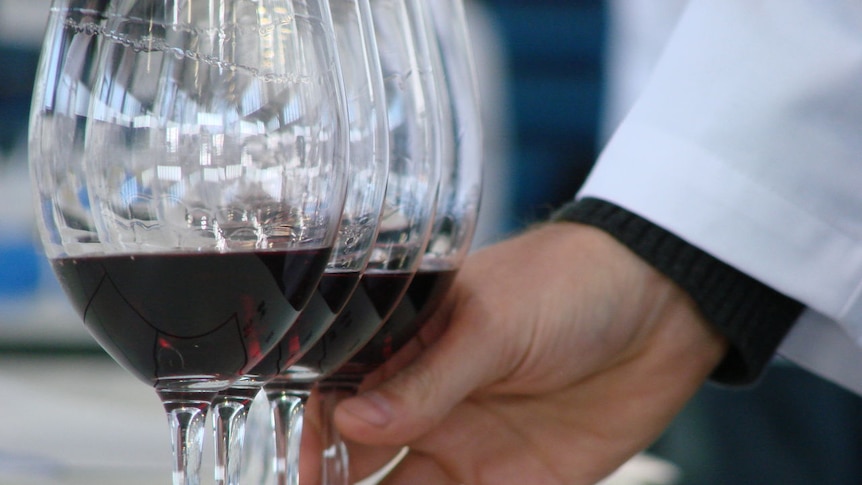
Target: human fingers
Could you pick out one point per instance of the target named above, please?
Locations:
(481, 333)
(421, 394)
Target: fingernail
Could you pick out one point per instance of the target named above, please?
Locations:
(370, 407)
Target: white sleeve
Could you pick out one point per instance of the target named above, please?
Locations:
(747, 143)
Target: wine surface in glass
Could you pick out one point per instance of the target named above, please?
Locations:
(332, 293)
(370, 305)
(177, 319)
(424, 294)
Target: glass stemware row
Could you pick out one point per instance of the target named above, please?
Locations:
(255, 195)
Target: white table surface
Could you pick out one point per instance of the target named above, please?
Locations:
(79, 420)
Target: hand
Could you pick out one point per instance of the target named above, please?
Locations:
(557, 355)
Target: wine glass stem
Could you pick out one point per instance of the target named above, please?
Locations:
(287, 406)
(187, 419)
(336, 459)
(230, 413)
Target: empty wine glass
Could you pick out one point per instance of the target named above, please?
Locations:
(212, 174)
(367, 173)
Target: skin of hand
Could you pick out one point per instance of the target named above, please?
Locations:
(557, 356)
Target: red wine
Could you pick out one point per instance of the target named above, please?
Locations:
(370, 305)
(424, 294)
(190, 317)
(331, 295)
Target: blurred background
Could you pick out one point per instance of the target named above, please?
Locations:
(555, 78)
(33, 314)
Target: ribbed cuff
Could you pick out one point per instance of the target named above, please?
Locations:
(752, 316)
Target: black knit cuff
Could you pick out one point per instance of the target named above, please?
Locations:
(752, 316)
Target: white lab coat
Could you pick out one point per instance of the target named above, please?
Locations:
(747, 142)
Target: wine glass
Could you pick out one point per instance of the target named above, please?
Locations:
(414, 171)
(213, 173)
(368, 168)
(406, 219)
(407, 55)
(456, 212)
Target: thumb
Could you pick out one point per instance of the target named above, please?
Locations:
(419, 396)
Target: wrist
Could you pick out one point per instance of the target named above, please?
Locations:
(671, 327)
(753, 317)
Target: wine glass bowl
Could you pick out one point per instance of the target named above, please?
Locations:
(215, 134)
(367, 181)
(408, 208)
